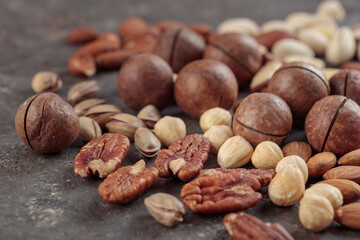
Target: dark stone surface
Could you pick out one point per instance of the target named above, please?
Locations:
(40, 196)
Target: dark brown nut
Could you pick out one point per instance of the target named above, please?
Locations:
(263, 176)
(102, 155)
(178, 46)
(166, 24)
(300, 85)
(349, 216)
(184, 158)
(127, 183)
(82, 91)
(202, 29)
(351, 158)
(146, 142)
(204, 84)
(46, 82)
(301, 149)
(144, 42)
(82, 65)
(46, 123)
(262, 117)
(245, 226)
(82, 107)
(100, 46)
(132, 26)
(268, 39)
(114, 59)
(344, 172)
(351, 66)
(221, 193)
(239, 52)
(346, 83)
(349, 189)
(333, 125)
(321, 163)
(82, 35)
(150, 115)
(145, 79)
(237, 104)
(89, 129)
(102, 113)
(124, 123)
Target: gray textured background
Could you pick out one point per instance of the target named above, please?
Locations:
(40, 196)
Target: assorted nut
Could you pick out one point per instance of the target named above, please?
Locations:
(349, 216)
(235, 152)
(89, 129)
(238, 25)
(213, 117)
(328, 191)
(217, 135)
(146, 142)
(344, 172)
(296, 161)
(288, 46)
(349, 189)
(321, 163)
(346, 83)
(124, 123)
(351, 158)
(149, 115)
(262, 77)
(301, 149)
(102, 113)
(82, 91)
(82, 107)
(267, 154)
(169, 129)
(46, 82)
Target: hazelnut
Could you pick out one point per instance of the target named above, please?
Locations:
(296, 161)
(204, 84)
(332, 193)
(300, 85)
(169, 129)
(262, 117)
(217, 135)
(267, 154)
(239, 52)
(215, 116)
(333, 125)
(145, 79)
(46, 123)
(346, 83)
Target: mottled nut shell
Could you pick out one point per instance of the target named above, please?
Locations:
(46, 123)
(333, 125)
(300, 85)
(262, 117)
(239, 52)
(346, 83)
(145, 79)
(178, 46)
(204, 84)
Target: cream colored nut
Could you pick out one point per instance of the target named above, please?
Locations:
(149, 115)
(146, 142)
(102, 113)
(276, 25)
(238, 25)
(235, 152)
(324, 26)
(267, 154)
(356, 31)
(138, 167)
(358, 52)
(82, 107)
(314, 39)
(342, 47)
(264, 74)
(299, 20)
(287, 187)
(89, 129)
(215, 116)
(46, 82)
(296, 161)
(316, 212)
(331, 9)
(317, 62)
(83, 90)
(124, 123)
(328, 191)
(165, 208)
(329, 72)
(217, 135)
(169, 129)
(176, 164)
(174, 77)
(289, 46)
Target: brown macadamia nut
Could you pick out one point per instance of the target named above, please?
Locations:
(346, 83)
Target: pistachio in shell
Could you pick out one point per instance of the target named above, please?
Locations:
(146, 142)
(149, 115)
(125, 124)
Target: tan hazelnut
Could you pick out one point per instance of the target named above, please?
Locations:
(217, 135)
(296, 161)
(215, 116)
(328, 191)
(267, 154)
(234, 153)
(168, 129)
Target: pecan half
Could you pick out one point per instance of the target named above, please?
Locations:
(221, 193)
(243, 226)
(184, 158)
(127, 183)
(263, 176)
(102, 155)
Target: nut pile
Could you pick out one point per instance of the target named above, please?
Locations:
(286, 66)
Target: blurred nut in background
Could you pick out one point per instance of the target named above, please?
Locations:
(168, 129)
(317, 62)
(276, 25)
(331, 9)
(267, 154)
(262, 77)
(217, 135)
(314, 39)
(46, 82)
(215, 116)
(89, 129)
(82, 35)
(289, 46)
(342, 47)
(82, 91)
(82, 64)
(238, 25)
(234, 153)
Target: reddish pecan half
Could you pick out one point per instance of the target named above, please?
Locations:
(184, 158)
(243, 226)
(102, 155)
(127, 183)
(221, 193)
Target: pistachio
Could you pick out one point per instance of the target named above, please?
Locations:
(149, 115)
(102, 113)
(125, 124)
(238, 25)
(165, 208)
(289, 46)
(169, 129)
(276, 25)
(46, 82)
(262, 77)
(217, 135)
(323, 26)
(314, 39)
(317, 62)
(331, 9)
(215, 116)
(146, 142)
(298, 20)
(89, 129)
(82, 107)
(83, 90)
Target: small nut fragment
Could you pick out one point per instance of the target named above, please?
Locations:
(125, 124)
(165, 208)
(149, 115)
(321, 163)
(314, 39)
(138, 167)
(235, 152)
(316, 212)
(267, 154)
(83, 90)
(146, 142)
(82, 107)
(296, 161)
(217, 135)
(215, 116)
(89, 129)
(344, 172)
(317, 62)
(168, 129)
(301, 149)
(238, 25)
(331, 9)
(349, 216)
(82, 64)
(46, 82)
(332, 193)
(342, 47)
(102, 113)
(262, 77)
(349, 189)
(351, 158)
(288, 46)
